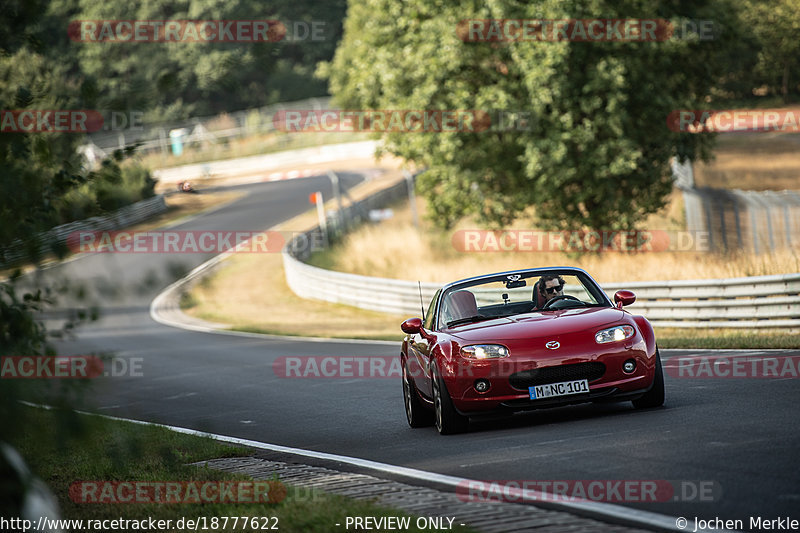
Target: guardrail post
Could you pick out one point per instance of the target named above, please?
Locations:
(412, 197)
(782, 202)
(340, 221)
(745, 195)
(738, 223)
(162, 141)
(787, 225)
(765, 209)
(708, 208)
(323, 220)
(753, 302)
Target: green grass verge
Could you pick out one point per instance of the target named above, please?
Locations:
(725, 339)
(359, 335)
(64, 447)
(666, 337)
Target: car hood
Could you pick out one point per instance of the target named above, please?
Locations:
(530, 325)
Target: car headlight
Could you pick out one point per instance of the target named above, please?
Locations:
(484, 351)
(617, 333)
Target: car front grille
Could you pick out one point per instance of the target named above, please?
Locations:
(556, 374)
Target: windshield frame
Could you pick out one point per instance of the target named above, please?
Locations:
(591, 286)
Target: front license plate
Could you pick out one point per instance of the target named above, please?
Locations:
(559, 389)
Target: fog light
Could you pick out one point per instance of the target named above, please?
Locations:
(629, 366)
(481, 385)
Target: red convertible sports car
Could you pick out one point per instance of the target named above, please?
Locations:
(521, 340)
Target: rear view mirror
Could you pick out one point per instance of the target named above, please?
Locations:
(623, 298)
(411, 326)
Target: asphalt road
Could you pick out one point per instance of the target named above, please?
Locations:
(741, 435)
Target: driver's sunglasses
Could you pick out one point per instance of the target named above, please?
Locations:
(553, 290)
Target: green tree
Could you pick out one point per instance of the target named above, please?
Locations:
(38, 171)
(177, 80)
(776, 25)
(597, 148)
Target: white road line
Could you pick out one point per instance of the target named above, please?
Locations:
(161, 303)
(545, 500)
(168, 296)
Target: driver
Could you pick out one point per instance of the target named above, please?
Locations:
(551, 287)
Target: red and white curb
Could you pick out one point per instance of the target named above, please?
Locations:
(292, 174)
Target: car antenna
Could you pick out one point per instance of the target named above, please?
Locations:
(421, 305)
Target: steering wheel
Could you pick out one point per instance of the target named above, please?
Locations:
(550, 303)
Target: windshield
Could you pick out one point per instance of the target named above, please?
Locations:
(512, 294)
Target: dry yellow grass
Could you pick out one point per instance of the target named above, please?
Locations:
(395, 249)
(752, 161)
(249, 291)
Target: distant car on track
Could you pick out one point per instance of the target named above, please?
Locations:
(501, 343)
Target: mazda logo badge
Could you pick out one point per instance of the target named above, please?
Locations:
(553, 345)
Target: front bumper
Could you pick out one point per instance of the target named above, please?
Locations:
(506, 394)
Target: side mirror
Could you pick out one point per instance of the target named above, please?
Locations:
(411, 326)
(623, 298)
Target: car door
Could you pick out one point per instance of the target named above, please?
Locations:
(419, 351)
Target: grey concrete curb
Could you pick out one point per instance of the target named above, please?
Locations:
(485, 516)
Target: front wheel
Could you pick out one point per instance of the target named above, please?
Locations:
(416, 413)
(655, 396)
(448, 420)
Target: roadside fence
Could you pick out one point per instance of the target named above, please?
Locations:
(748, 302)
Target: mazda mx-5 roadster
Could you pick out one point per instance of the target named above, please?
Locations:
(521, 340)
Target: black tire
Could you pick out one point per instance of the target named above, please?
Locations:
(417, 415)
(448, 421)
(655, 396)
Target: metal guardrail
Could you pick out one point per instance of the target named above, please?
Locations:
(750, 302)
(215, 128)
(337, 223)
(56, 238)
(249, 166)
(728, 303)
(757, 221)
